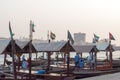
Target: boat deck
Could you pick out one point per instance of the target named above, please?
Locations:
(115, 76)
(90, 73)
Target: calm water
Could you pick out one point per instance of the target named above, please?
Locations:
(100, 55)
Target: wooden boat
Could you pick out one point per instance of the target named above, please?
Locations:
(46, 76)
(91, 73)
(116, 63)
(54, 76)
(33, 63)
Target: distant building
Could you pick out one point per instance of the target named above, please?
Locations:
(79, 38)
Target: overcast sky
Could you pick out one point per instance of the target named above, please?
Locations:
(86, 16)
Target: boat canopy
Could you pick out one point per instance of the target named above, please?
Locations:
(85, 48)
(104, 47)
(53, 47)
(24, 45)
(5, 46)
(116, 48)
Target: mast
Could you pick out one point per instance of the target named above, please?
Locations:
(13, 52)
(13, 59)
(68, 58)
(48, 53)
(67, 52)
(30, 47)
(110, 49)
(48, 37)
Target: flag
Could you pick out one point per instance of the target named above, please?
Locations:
(111, 37)
(11, 33)
(96, 38)
(52, 35)
(70, 37)
(33, 25)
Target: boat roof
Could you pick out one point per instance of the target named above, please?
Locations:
(84, 48)
(93, 48)
(102, 46)
(60, 46)
(21, 43)
(116, 48)
(53, 46)
(5, 46)
(24, 45)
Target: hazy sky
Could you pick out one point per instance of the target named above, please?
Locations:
(86, 16)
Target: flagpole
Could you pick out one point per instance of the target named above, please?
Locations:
(48, 53)
(13, 52)
(13, 59)
(48, 36)
(110, 49)
(68, 55)
(30, 47)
